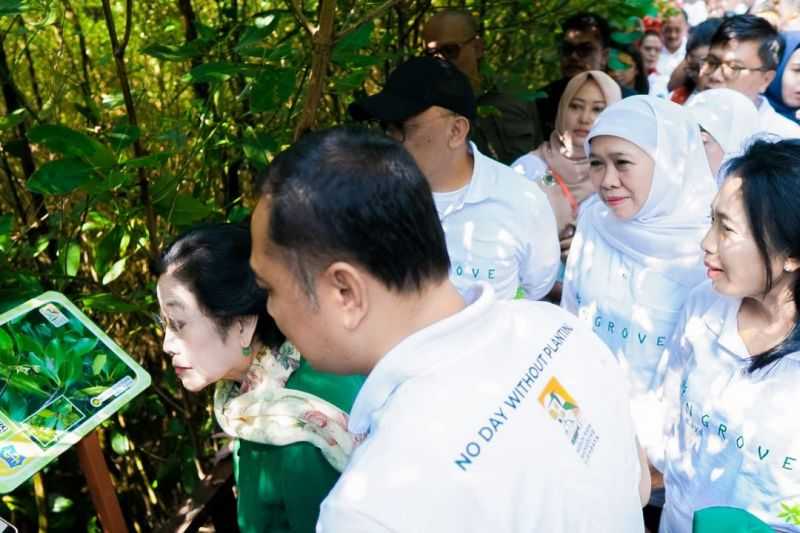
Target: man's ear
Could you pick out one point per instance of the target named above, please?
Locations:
(459, 131)
(343, 288)
(480, 48)
(246, 329)
(605, 53)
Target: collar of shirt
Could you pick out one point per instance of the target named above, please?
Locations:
(722, 319)
(420, 352)
(482, 183)
(680, 53)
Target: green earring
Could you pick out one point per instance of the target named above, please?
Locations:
(247, 351)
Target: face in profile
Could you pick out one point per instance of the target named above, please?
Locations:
(310, 323)
(622, 174)
(582, 111)
(200, 353)
(731, 256)
(790, 83)
(626, 77)
(714, 152)
(694, 65)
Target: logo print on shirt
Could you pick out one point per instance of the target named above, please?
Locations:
(563, 408)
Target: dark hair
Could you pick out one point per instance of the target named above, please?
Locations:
(351, 194)
(770, 173)
(589, 22)
(701, 34)
(652, 32)
(213, 262)
(640, 83)
(752, 28)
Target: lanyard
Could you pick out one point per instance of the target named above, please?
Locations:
(573, 203)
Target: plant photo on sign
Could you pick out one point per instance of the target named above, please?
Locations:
(54, 373)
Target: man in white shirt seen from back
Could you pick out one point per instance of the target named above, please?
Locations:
(744, 55)
(499, 226)
(477, 414)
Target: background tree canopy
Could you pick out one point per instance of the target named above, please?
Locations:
(127, 121)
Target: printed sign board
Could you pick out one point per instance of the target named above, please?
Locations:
(60, 377)
(7, 527)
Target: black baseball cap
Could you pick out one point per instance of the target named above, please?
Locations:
(415, 86)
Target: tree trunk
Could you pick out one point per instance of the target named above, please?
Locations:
(13, 102)
(118, 49)
(322, 45)
(190, 34)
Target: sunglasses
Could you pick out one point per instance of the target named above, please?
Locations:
(449, 51)
(582, 50)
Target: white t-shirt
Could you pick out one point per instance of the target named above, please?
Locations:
(633, 309)
(775, 123)
(667, 62)
(531, 166)
(501, 230)
(734, 437)
(494, 419)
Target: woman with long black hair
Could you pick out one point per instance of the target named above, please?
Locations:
(734, 360)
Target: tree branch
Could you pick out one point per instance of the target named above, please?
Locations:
(126, 37)
(297, 9)
(371, 15)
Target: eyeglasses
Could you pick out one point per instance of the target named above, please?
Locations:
(730, 71)
(449, 51)
(582, 50)
(399, 130)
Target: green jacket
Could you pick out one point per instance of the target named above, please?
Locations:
(280, 488)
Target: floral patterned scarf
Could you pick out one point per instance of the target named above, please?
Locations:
(263, 410)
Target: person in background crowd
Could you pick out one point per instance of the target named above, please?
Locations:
(686, 80)
(734, 360)
(783, 92)
(767, 11)
(790, 15)
(511, 126)
(634, 258)
(673, 31)
(463, 394)
(696, 12)
(217, 330)
(744, 55)
(561, 165)
(627, 69)
(585, 46)
(650, 48)
(728, 119)
(499, 226)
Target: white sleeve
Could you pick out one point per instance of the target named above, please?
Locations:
(335, 518)
(542, 253)
(668, 384)
(531, 166)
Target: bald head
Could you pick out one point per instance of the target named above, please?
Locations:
(454, 35)
(449, 23)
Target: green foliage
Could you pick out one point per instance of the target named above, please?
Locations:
(93, 185)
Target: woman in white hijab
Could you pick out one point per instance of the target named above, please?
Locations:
(728, 119)
(636, 252)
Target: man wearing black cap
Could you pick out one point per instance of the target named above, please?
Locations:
(499, 226)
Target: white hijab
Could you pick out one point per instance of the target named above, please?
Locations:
(665, 234)
(728, 116)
